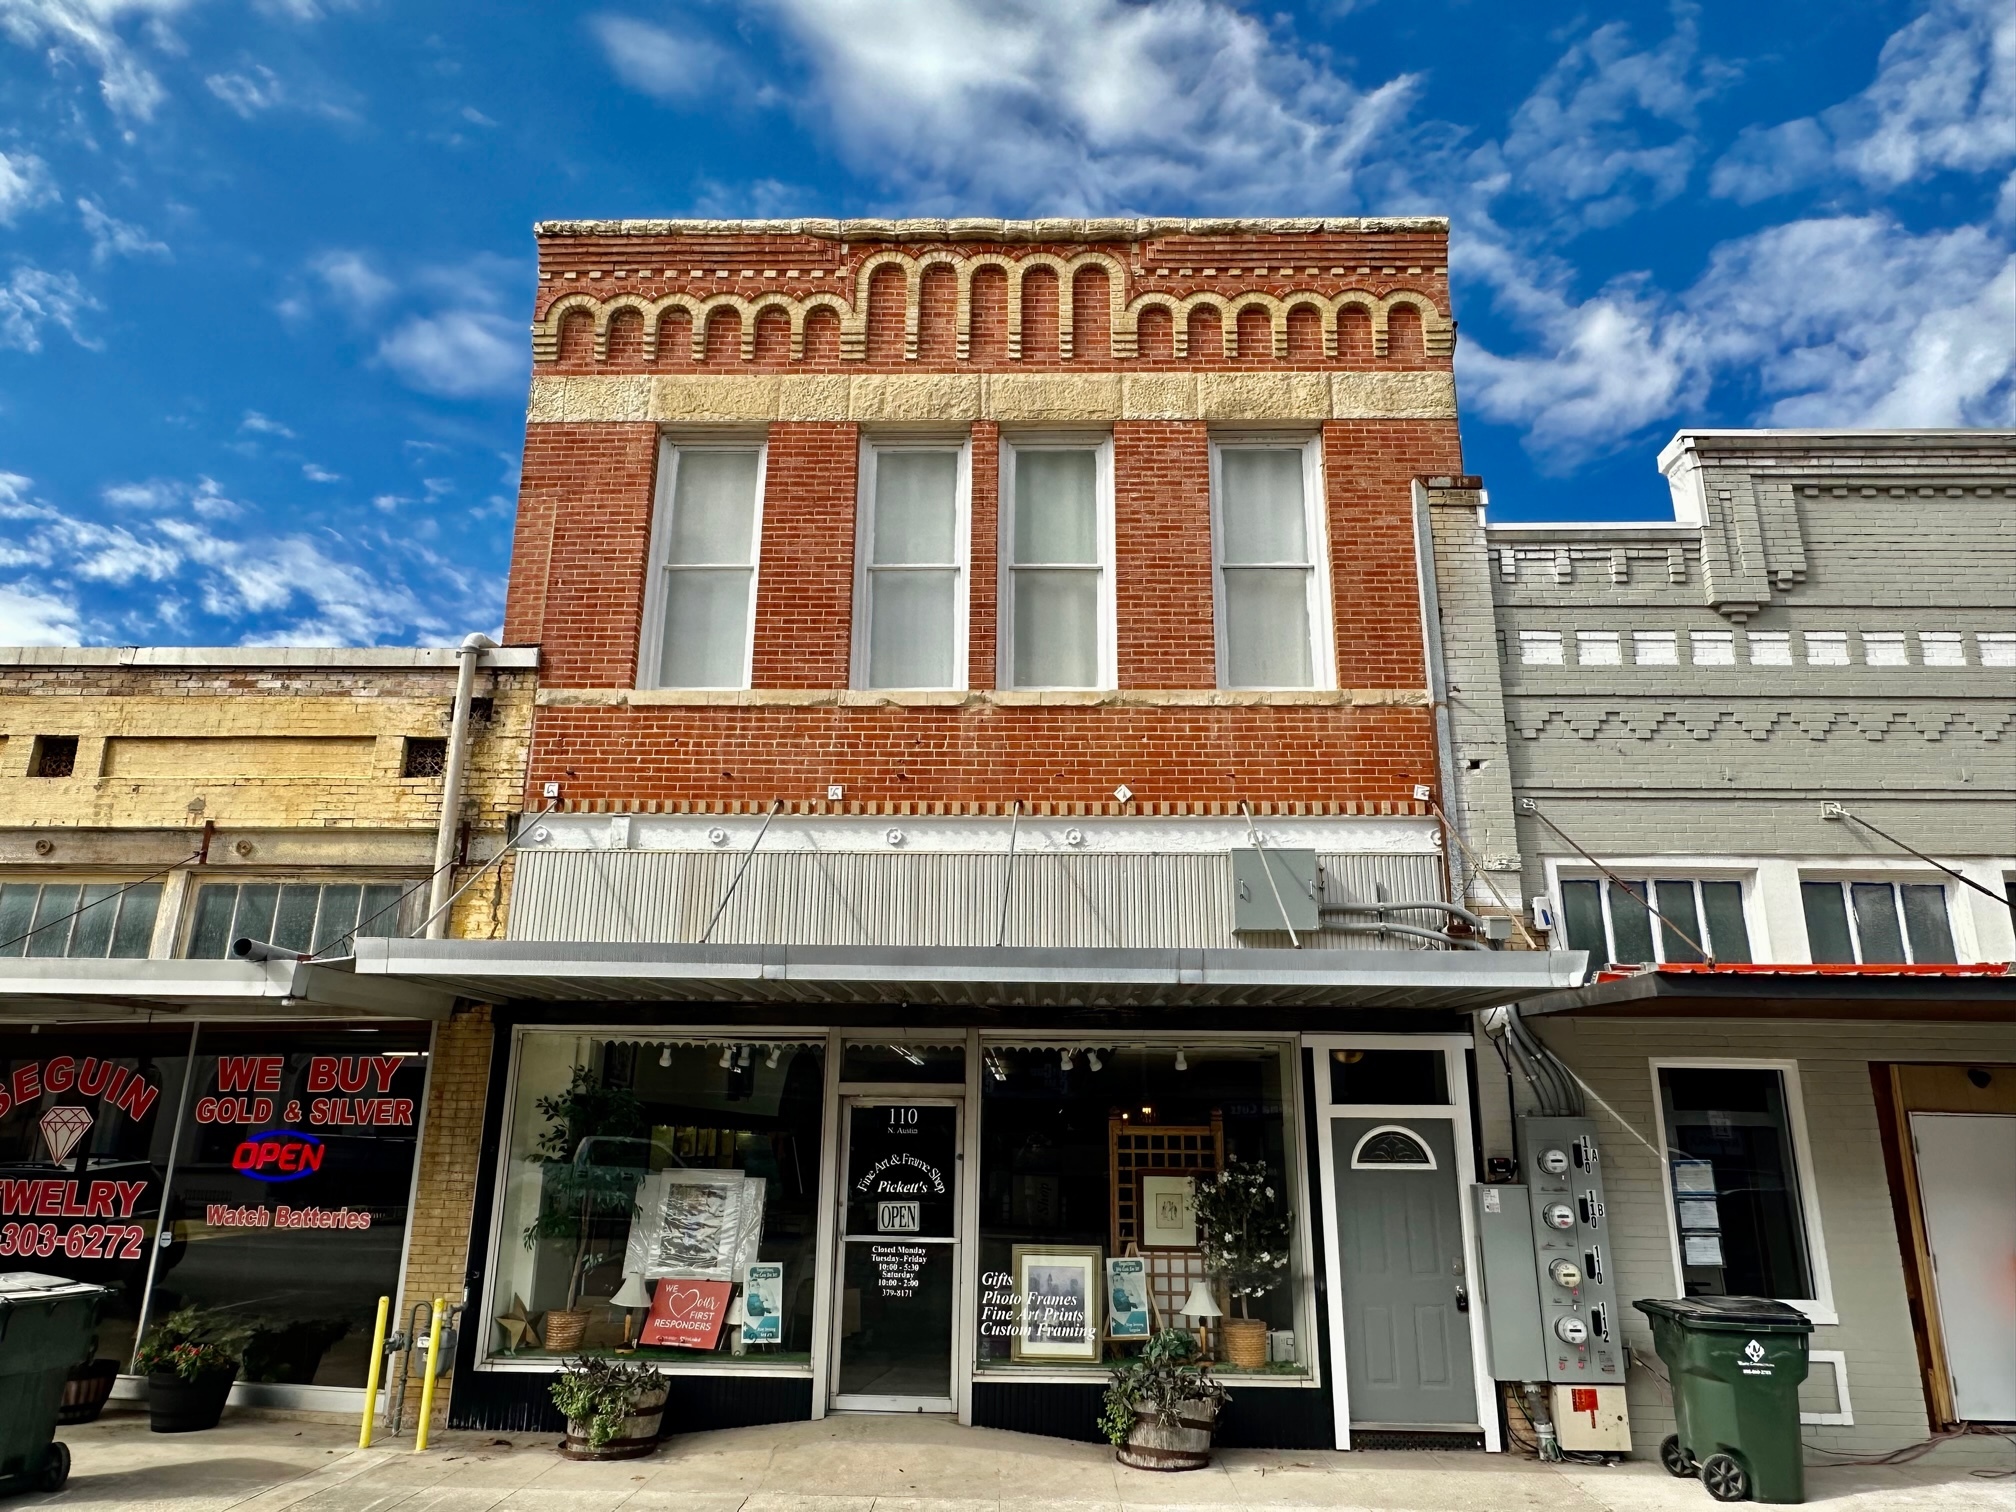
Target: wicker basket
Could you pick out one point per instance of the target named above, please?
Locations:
(1244, 1341)
(565, 1329)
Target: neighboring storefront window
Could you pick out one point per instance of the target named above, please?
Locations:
(661, 1196)
(1736, 1196)
(309, 917)
(1090, 1156)
(78, 919)
(289, 1201)
(86, 1117)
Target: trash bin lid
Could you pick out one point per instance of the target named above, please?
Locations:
(19, 1288)
(1736, 1314)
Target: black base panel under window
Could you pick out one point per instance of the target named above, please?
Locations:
(1400, 1438)
(521, 1401)
(1257, 1418)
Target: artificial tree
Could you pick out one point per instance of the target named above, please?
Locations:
(1243, 1236)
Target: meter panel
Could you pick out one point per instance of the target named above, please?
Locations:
(1580, 1328)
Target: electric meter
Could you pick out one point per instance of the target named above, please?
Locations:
(1571, 1330)
(1559, 1215)
(1565, 1273)
(1554, 1162)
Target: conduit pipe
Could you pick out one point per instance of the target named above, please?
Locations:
(469, 653)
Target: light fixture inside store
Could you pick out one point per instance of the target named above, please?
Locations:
(748, 1054)
(727, 1056)
(994, 1067)
(1064, 1059)
(1182, 1061)
(908, 1054)
(664, 1055)
(1092, 1060)
(770, 1060)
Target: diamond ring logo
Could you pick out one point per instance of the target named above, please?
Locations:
(1753, 1351)
(62, 1128)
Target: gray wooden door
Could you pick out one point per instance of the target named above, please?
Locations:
(1400, 1239)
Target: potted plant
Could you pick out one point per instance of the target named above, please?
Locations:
(613, 1408)
(190, 1360)
(1162, 1405)
(577, 1193)
(1244, 1241)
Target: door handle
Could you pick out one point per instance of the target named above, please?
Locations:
(1462, 1298)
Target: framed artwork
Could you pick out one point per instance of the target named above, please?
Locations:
(1130, 1305)
(1057, 1310)
(1168, 1209)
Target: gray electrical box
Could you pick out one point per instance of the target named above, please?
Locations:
(1509, 1285)
(1580, 1329)
(1266, 883)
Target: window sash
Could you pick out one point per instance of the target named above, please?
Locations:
(309, 917)
(1604, 919)
(703, 619)
(1877, 923)
(78, 920)
(910, 614)
(1268, 640)
(1056, 628)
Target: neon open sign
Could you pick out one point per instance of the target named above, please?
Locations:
(278, 1155)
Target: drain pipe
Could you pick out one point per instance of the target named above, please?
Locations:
(470, 652)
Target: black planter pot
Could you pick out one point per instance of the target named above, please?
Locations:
(178, 1406)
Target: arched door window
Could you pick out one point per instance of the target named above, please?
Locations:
(1391, 1145)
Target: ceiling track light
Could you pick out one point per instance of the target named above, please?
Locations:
(1092, 1060)
(664, 1055)
(727, 1057)
(748, 1054)
(1064, 1060)
(770, 1060)
(1182, 1061)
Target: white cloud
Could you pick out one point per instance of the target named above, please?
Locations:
(31, 616)
(458, 353)
(352, 282)
(263, 425)
(1944, 99)
(205, 497)
(90, 29)
(246, 95)
(116, 238)
(32, 299)
(660, 62)
(329, 601)
(315, 474)
(24, 184)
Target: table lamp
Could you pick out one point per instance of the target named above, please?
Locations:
(633, 1293)
(1201, 1305)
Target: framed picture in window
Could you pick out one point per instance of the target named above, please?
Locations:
(1057, 1310)
(1168, 1209)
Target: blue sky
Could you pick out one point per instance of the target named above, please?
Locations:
(265, 268)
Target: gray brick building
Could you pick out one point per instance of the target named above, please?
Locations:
(1777, 732)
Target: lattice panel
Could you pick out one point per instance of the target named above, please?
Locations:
(1171, 1274)
(1134, 1148)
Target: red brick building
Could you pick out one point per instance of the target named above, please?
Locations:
(986, 726)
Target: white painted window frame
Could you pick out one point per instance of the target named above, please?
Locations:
(1834, 878)
(1316, 517)
(1101, 444)
(1457, 1112)
(1685, 874)
(1690, 868)
(651, 643)
(1819, 1308)
(872, 447)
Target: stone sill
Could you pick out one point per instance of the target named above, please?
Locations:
(851, 698)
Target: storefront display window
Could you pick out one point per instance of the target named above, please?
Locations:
(661, 1198)
(1091, 1158)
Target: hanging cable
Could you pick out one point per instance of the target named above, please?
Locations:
(1477, 868)
(1527, 805)
(1835, 811)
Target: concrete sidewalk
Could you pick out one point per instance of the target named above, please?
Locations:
(875, 1464)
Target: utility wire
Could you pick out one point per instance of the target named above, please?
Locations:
(95, 902)
(1835, 811)
(1529, 806)
(1449, 827)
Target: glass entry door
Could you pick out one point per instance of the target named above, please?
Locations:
(899, 1256)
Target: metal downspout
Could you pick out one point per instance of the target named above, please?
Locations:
(470, 652)
(1438, 689)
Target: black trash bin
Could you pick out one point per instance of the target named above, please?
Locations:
(47, 1325)
(1736, 1364)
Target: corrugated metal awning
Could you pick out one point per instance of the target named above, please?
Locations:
(566, 972)
(45, 991)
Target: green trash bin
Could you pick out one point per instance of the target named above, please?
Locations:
(1736, 1364)
(47, 1325)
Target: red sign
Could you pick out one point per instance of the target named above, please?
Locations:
(687, 1314)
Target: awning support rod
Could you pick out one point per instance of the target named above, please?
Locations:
(1835, 811)
(1261, 846)
(1008, 875)
(1527, 805)
(776, 806)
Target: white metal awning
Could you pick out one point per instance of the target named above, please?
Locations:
(93, 990)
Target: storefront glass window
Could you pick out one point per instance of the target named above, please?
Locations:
(1089, 1155)
(86, 1117)
(288, 1204)
(661, 1196)
(1735, 1183)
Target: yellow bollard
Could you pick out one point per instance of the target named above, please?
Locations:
(371, 1380)
(427, 1386)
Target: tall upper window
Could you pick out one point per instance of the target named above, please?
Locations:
(306, 916)
(1057, 589)
(910, 591)
(709, 516)
(1616, 923)
(78, 918)
(1268, 532)
(1876, 923)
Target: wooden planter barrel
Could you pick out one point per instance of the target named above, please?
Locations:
(1153, 1445)
(639, 1435)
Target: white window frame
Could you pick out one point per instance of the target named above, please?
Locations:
(872, 446)
(1641, 872)
(1108, 651)
(1316, 522)
(1893, 881)
(651, 646)
(1819, 1308)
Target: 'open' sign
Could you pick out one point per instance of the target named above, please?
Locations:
(899, 1217)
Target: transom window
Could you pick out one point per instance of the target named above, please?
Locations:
(308, 917)
(78, 919)
(1268, 531)
(1614, 923)
(1057, 550)
(1877, 923)
(910, 588)
(709, 523)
